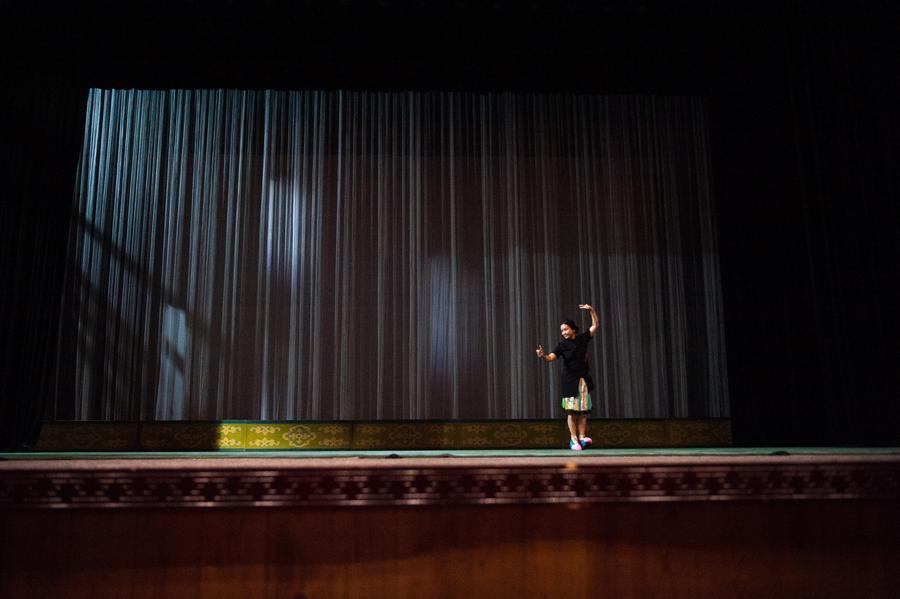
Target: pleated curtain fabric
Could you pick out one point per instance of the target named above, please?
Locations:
(371, 255)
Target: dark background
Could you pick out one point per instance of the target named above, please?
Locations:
(803, 111)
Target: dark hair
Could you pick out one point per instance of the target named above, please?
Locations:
(571, 324)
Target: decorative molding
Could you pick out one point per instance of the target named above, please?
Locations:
(373, 484)
(357, 435)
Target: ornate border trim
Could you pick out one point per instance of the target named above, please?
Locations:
(296, 487)
(365, 435)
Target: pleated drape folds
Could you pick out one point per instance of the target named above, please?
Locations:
(336, 255)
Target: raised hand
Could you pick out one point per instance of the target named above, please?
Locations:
(595, 320)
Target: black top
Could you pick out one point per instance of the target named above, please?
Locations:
(574, 354)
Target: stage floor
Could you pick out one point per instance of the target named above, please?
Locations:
(504, 455)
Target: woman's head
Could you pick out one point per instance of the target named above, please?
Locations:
(568, 329)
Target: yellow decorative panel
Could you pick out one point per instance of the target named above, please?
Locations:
(232, 436)
(298, 435)
(408, 435)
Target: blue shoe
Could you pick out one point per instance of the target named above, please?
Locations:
(574, 445)
(585, 442)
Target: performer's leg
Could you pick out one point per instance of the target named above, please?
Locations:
(572, 420)
(582, 432)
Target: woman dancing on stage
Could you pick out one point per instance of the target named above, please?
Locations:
(575, 377)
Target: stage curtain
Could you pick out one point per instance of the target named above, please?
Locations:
(41, 118)
(369, 255)
(807, 190)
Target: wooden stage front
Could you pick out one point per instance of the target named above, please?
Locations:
(533, 523)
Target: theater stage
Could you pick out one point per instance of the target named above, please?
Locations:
(654, 522)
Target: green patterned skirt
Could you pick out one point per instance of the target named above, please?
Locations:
(579, 403)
